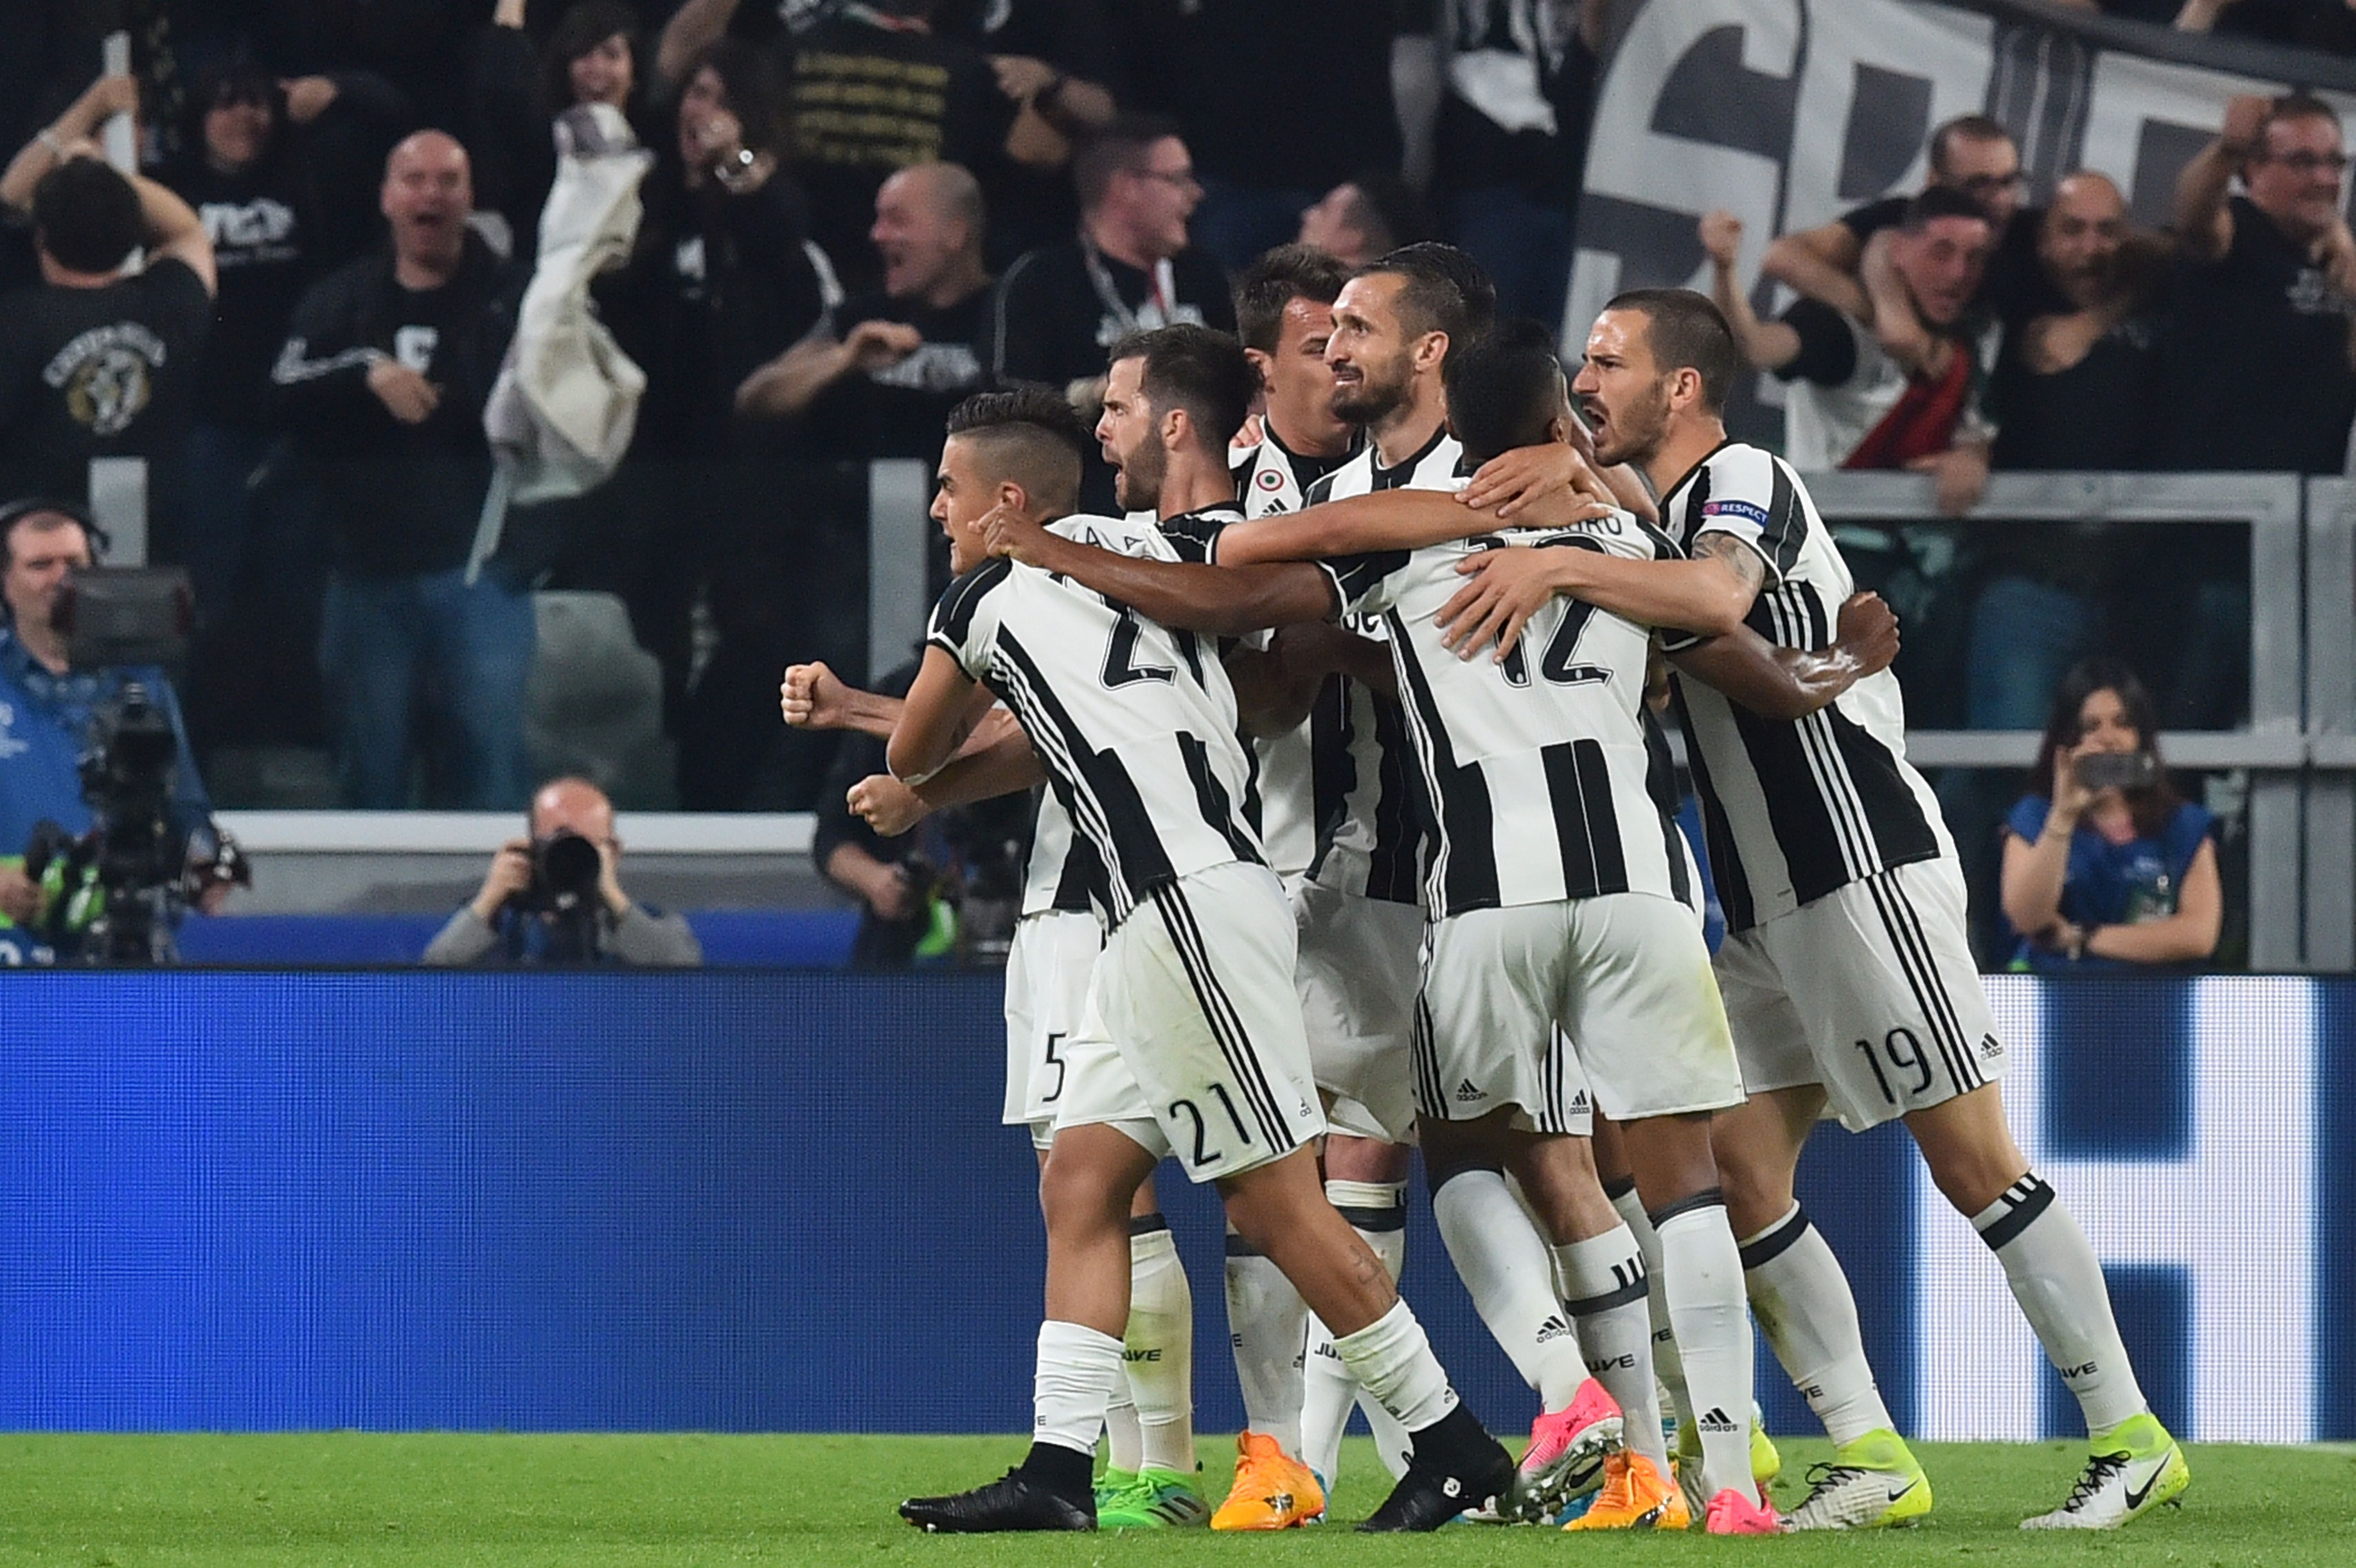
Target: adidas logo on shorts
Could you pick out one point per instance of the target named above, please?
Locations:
(1990, 1048)
(1466, 1093)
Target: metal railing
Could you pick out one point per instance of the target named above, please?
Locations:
(2288, 927)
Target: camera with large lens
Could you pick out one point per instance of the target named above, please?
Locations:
(565, 869)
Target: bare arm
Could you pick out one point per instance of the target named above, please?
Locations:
(1896, 325)
(100, 102)
(933, 720)
(2030, 890)
(1791, 683)
(1390, 519)
(173, 228)
(2204, 223)
(2188, 936)
(1767, 345)
(1710, 593)
(1820, 262)
(1219, 600)
(788, 384)
(696, 23)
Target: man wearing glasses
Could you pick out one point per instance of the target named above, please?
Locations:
(1129, 269)
(2257, 368)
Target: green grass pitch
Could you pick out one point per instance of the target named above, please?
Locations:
(457, 1499)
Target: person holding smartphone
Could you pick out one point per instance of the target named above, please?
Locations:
(2106, 866)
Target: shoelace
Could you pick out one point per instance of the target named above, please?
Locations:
(2099, 1469)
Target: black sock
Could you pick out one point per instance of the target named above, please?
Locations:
(1067, 1472)
(1453, 1445)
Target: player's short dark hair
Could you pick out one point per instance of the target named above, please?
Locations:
(1686, 331)
(1502, 388)
(1121, 142)
(2294, 106)
(86, 216)
(1197, 369)
(1445, 291)
(1032, 436)
(1284, 274)
(1936, 202)
(1963, 128)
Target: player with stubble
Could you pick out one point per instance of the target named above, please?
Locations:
(1849, 981)
(1193, 1048)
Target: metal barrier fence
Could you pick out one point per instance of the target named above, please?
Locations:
(2299, 747)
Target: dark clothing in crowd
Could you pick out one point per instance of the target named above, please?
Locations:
(1033, 205)
(900, 411)
(867, 97)
(717, 285)
(105, 372)
(1062, 306)
(2254, 369)
(399, 498)
(2092, 415)
(303, 210)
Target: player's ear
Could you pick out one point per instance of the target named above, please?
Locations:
(1013, 498)
(1174, 426)
(1430, 350)
(1262, 364)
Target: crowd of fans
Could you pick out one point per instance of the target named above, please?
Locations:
(853, 215)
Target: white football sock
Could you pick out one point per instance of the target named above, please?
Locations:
(1377, 1211)
(1393, 1360)
(1076, 1369)
(1159, 1357)
(2059, 1283)
(1606, 1293)
(1802, 1302)
(1667, 1365)
(1266, 1323)
(1507, 1271)
(1124, 1439)
(1703, 1271)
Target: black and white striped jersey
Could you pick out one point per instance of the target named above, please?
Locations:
(1542, 771)
(1793, 808)
(1134, 724)
(1374, 827)
(1271, 478)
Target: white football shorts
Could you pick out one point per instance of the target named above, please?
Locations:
(1870, 991)
(1047, 968)
(1625, 975)
(1193, 1046)
(1358, 970)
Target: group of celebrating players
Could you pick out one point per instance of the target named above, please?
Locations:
(1359, 834)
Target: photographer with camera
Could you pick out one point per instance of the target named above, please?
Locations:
(124, 719)
(556, 897)
(2106, 866)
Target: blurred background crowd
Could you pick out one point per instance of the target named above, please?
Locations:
(851, 214)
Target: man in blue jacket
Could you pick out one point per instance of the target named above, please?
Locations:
(46, 707)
